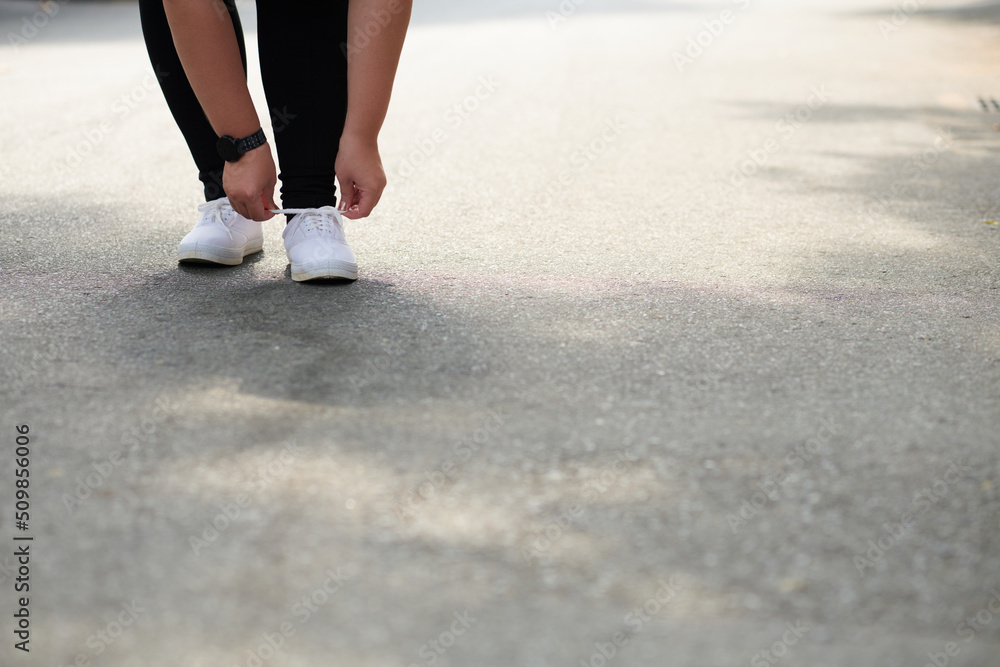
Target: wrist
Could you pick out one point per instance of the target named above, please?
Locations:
(259, 152)
(231, 149)
(359, 138)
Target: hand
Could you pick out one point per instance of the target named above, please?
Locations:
(249, 183)
(362, 179)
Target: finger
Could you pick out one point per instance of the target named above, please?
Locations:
(258, 211)
(355, 197)
(370, 199)
(348, 193)
(364, 205)
(239, 206)
(247, 205)
(351, 208)
(268, 201)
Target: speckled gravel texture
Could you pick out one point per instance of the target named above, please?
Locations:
(588, 362)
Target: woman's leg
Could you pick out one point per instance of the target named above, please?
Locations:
(184, 106)
(304, 72)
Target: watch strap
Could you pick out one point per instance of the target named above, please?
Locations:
(255, 140)
(231, 149)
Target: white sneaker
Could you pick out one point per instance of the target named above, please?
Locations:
(316, 245)
(222, 236)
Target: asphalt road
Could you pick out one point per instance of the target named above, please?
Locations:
(675, 343)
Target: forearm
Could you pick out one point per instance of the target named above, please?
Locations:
(206, 43)
(371, 69)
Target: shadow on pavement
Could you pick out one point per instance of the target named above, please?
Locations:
(940, 186)
(978, 12)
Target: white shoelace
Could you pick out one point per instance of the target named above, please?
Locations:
(316, 218)
(215, 208)
(313, 219)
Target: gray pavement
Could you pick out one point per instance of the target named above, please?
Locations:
(658, 356)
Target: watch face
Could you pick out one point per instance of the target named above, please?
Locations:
(228, 150)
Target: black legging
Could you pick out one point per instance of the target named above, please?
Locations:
(304, 71)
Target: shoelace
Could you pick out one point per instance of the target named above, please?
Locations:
(316, 218)
(215, 208)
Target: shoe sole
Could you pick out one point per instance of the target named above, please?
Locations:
(209, 254)
(331, 268)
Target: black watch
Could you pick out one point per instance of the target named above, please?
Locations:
(232, 150)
